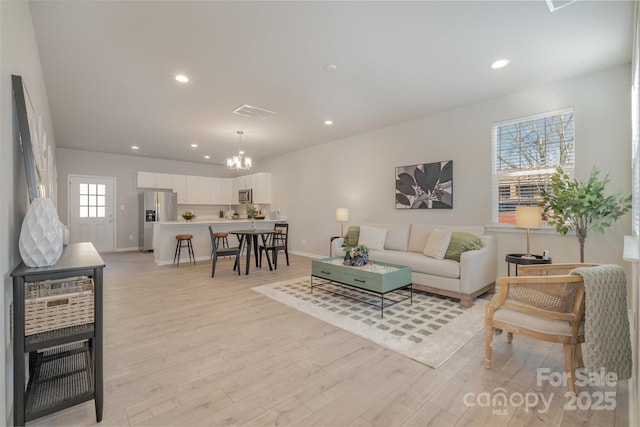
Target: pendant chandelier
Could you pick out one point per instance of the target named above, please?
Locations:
(240, 161)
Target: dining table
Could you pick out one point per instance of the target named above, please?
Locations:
(248, 238)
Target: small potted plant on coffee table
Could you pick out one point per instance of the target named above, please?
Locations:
(356, 256)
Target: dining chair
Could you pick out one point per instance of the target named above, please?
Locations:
(278, 241)
(225, 251)
(544, 302)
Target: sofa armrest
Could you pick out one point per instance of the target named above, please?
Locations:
(478, 268)
(336, 247)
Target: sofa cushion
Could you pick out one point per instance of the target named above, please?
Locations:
(460, 242)
(535, 323)
(437, 244)
(420, 234)
(352, 236)
(372, 237)
(397, 235)
(419, 263)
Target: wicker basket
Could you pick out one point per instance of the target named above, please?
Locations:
(56, 304)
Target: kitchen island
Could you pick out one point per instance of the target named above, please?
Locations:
(164, 236)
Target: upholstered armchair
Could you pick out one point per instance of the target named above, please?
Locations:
(544, 302)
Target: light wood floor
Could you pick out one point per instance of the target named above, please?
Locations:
(182, 349)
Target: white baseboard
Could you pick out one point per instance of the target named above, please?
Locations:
(131, 249)
(309, 255)
(184, 260)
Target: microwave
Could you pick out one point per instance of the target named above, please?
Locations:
(245, 196)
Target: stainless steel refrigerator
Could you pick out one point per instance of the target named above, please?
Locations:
(156, 206)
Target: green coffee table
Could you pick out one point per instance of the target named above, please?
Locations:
(376, 278)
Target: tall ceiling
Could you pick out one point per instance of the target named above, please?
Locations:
(109, 66)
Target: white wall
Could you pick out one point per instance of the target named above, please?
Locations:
(358, 172)
(19, 55)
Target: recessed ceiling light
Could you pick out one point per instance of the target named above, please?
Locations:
(328, 122)
(207, 157)
(135, 147)
(182, 78)
(500, 63)
(194, 145)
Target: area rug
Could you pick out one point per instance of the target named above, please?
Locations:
(430, 330)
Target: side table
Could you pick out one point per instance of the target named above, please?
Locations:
(64, 377)
(518, 259)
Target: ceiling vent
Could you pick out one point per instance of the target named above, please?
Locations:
(254, 112)
(558, 4)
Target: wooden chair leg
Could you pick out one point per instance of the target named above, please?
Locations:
(488, 346)
(579, 358)
(568, 366)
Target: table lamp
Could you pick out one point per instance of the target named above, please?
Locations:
(342, 216)
(528, 217)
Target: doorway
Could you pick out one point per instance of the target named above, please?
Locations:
(90, 210)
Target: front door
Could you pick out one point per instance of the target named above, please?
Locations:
(90, 212)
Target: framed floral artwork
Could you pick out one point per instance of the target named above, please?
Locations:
(425, 186)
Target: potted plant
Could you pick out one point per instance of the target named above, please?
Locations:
(356, 256)
(581, 206)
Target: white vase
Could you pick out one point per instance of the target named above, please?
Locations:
(41, 235)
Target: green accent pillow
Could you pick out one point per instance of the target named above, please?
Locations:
(461, 241)
(353, 234)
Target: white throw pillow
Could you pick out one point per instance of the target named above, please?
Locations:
(373, 237)
(437, 244)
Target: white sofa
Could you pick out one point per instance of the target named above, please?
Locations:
(474, 275)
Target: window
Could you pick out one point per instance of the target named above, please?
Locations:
(92, 200)
(526, 152)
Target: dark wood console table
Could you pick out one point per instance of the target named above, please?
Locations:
(82, 344)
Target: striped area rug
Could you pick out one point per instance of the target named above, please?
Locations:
(430, 330)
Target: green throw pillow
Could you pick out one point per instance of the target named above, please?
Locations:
(353, 234)
(461, 241)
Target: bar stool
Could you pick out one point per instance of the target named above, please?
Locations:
(180, 238)
(221, 240)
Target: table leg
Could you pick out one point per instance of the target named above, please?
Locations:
(98, 343)
(247, 240)
(18, 352)
(255, 248)
(236, 263)
(264, 243)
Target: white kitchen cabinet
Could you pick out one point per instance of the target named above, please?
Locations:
(164, 180)
(191, 190)
(227, 191)
(261, 185)
(179, 185)
(221, 191)
(216, 191)
(204, 190)
(146, 180)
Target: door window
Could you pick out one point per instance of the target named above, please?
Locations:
(92, 200)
